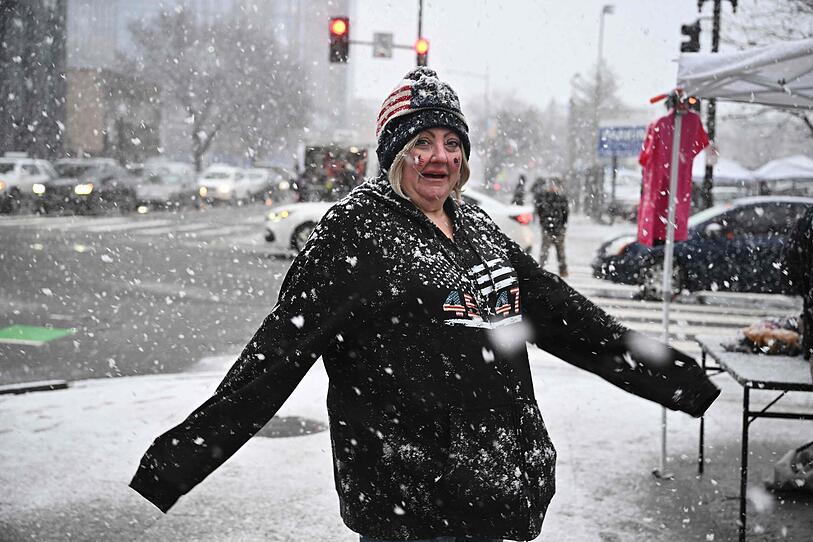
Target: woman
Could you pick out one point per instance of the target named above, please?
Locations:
(420, 308)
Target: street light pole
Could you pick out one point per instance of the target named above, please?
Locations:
(605, 9)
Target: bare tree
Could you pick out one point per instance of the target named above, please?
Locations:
(519, 136)
(589, 104)
(228, 76)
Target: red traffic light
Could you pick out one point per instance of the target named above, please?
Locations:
(338, 26)
(422, 50)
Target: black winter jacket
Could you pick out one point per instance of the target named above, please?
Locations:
(433, 421)
(552, 209)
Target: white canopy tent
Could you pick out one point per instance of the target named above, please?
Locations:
(779, 75)
(729, 172)
(790, 168)
(792, 175)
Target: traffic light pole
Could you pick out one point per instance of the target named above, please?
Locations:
(711, 119)
(420, 19)
(711, 112)
(418, 61)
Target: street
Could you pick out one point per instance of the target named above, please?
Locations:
(144, 294)
(156, 293)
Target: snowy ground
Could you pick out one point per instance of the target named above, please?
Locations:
(66, 457)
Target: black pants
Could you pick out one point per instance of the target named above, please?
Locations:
(557, 240)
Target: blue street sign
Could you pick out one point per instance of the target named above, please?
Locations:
(620, 140)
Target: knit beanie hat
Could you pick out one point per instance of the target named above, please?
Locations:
(419, 102)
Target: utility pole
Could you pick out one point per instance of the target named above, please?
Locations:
(596, 177)
(711, 118)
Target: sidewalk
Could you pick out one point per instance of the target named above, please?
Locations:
(66, 457)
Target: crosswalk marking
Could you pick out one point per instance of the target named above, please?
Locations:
(37, 221)
(681, 317)
(172, 229)
(139, 226)
(82, 223)
(226, 230)
(706, 313)
(130, 225)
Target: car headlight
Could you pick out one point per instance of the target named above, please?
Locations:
(38, 189)
(276, 216)
(618, 246)
(2, 185)
(83, 189)
(284, 185)
(224, 189)
(203, 191)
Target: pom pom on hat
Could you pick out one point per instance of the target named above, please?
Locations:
(419, 102)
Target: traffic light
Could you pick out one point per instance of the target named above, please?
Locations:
(339, 39)
(422, 50)
(691, 31)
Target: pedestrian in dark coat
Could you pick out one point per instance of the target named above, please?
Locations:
(799, 267)
(400, 290)
(519, 191)
(552, 208)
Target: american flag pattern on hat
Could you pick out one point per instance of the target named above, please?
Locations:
(419, 90)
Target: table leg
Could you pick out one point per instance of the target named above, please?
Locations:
(744, 462)
(700, 455)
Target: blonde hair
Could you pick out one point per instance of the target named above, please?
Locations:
(396, 171)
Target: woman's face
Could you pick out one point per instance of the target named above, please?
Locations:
(432, 168)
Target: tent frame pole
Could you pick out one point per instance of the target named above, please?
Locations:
(668, 254)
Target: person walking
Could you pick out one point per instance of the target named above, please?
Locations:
(435, 429)
(552, 208)
(799, 268)
(519, 191)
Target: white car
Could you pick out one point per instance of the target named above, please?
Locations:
(517, 221)
(167, 184)
(21, 178)
(289, 226)
(229, 184)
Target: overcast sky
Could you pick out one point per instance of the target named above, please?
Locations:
(529, 49)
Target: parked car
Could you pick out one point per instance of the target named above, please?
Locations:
(75, 167)
(289, 226)
(21, 180)
(277, 182)
(517, 221)
(229, 184)
(736, 247)
(167, 184)
(96, 189)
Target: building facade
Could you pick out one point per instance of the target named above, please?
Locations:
(32, 76)
(111, 114)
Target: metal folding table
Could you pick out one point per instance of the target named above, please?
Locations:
(758, 372)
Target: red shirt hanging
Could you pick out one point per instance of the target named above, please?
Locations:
(655, 158)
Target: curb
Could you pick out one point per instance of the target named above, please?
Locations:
(27, 387)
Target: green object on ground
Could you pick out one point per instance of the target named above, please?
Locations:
(33, 335)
